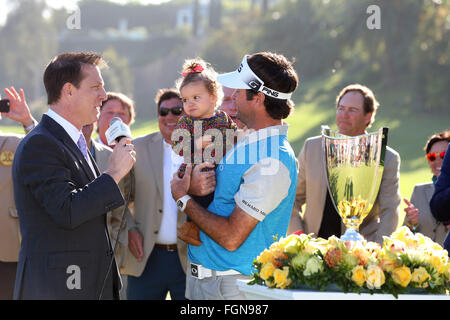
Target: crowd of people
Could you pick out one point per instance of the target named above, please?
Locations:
(185, 210)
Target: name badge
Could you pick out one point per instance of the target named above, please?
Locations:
(6, 158)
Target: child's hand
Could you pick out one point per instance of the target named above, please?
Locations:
(180, 186)
(202, 182)
(203, 142)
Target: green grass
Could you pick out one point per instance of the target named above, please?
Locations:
(142, 127)
(407, 135)
(408, 130)
(12, 129)
(139, 128)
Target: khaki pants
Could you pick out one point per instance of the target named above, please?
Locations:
(214, 288)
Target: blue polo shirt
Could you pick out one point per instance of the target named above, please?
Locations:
(260, 176)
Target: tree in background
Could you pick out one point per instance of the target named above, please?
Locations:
(224, 50)
(264, 7)
(103, 14)
(215, 14)
(117, 76)
(409, 54)
(27, 43)
(430, 58)
(408, 58)
(196, 18)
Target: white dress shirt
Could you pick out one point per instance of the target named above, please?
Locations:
(73, 132)
(168, 231)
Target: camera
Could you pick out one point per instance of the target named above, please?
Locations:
(4, 105)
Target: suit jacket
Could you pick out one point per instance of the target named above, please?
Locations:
(148, 201)
(428, 225)
(312, 188)
(114, 217)
(101, 155)
(65, 250)
(9, 222)
(440, 202)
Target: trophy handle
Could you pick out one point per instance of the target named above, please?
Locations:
(325, 129)
(384, 144)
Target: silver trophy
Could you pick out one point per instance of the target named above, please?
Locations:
(354, 167)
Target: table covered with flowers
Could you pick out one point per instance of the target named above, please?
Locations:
(405, 266)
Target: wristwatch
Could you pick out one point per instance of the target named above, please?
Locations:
(182, 202)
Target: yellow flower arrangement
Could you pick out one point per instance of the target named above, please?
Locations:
(267, 270)
(404, 261)
(313, 265)
(420, 276)
(280, 277)
(265, 257)
(375, 277)
(402, 276)
(359, 275)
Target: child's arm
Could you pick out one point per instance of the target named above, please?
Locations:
(181, 137)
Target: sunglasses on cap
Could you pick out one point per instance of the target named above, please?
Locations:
(176, 111)
(433, 155)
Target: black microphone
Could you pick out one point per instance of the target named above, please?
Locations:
(116, 131)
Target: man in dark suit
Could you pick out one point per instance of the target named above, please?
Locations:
(440, 202)
(61, 197)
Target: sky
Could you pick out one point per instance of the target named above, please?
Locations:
(68, 4)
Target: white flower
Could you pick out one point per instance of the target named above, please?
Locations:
(313, 265)
(375, 277)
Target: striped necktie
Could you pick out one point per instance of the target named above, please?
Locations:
(82, 146)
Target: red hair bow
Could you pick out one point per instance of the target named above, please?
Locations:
(197, 69)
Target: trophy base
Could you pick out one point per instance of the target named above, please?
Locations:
(352, 235)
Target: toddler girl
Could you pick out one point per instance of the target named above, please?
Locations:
(201, 94)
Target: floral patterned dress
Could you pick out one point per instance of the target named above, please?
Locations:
(222, 139)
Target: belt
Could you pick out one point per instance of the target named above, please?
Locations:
(168, 247)
(198, 271)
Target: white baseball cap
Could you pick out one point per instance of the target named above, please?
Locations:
(245, 78)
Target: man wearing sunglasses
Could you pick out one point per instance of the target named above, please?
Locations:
(156, 260)
(440, 202)
(419, 217)
(356, 107)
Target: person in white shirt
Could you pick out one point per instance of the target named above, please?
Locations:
(156, 259)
